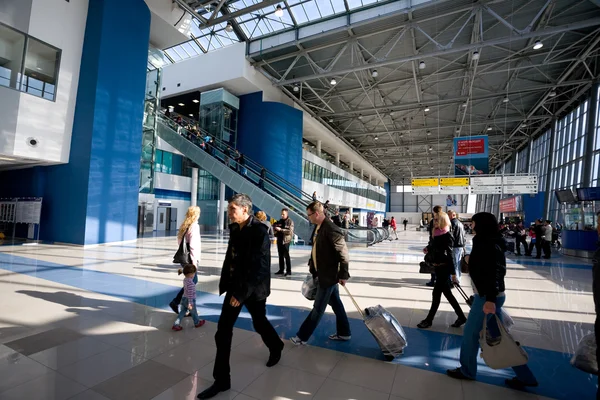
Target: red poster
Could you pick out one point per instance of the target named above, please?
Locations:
(467, 147)
(508, 205)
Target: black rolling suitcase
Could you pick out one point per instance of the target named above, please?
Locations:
(385, 328)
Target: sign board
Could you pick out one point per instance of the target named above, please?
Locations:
(29, 211)
(510, 204)
(520, 189)
(426, 182)
(486, 189)
(425, 190)
(471, 155)
(588, 194)
(454, 181)
(520, 180)
(455, 190)
(486, 180)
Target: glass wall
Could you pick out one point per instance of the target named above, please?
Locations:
(316, 173)
(174, 164)
(523, 161)
(540, 150)
(28, 64)
(596, 154)
(208, 186)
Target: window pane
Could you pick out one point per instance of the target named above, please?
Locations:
(12, 44)
(41, 67)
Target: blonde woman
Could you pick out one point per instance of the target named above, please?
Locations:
(191, 231)
(262, 217)
(439, 254)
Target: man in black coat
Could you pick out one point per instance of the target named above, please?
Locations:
(328, 264)
(246, 280)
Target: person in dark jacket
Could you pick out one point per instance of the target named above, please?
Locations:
(520, 238)
(487, 268)
(328, 264)
(458, 242)
(284, 231)
(539, 237)
(246, 280)
(336, 219)
(436, 210)
(439, 254)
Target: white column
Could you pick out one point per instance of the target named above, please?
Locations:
(362, 173)
(376, 182)
(337, 159)
(194, 188)
(318, 147)
(352, 166)
(369, 179)
(221, 207)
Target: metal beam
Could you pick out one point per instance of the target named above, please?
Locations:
(464, 48)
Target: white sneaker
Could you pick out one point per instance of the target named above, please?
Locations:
(340, 338)
(296, 340)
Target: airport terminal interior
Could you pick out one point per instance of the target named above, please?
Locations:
(119, 119)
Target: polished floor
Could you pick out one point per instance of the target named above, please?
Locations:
(94, 324)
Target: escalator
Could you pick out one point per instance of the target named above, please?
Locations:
(268, 191)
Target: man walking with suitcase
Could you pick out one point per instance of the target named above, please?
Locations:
(246, 280)
(328, 264)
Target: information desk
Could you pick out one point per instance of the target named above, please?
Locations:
(579, 243)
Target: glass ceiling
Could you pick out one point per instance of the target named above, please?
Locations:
(258, 23)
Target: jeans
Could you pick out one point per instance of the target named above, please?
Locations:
(331, 296)
(184, 309)
(229, 314)
(443, 286)
(520, 240)
(457, 254)
(531, 246)
(284, 255)
(395, 234)
(177, 299)
(469, 348)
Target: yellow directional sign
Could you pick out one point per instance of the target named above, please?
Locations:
(426, 182)
(454, 181)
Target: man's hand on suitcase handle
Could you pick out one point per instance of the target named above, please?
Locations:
(343, 282)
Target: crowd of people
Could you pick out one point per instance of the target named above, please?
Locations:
(246, 274)
(543, 236)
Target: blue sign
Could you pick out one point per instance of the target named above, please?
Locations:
(471, 155)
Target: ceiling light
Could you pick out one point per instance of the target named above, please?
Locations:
(489, 128)
(426, 109)
(475, 55)
(376, 137)
(505, 99)
(331, 120)
(229, 27)
(333, 82)
(464, 104)
(278, 11)
(457, 130)
(375, 74)
(352, 140)
(196, 101)
(430, 148)
(552, 94)
(421, 64)
(538, 45)
(523, 125)
(296, 88)
(428, 133)
(171, 108)
(191, 115)
(181, 104)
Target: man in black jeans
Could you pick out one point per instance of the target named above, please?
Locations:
(284, 231)
(539, 237)
(328, 264)
(246, 280)
(520, 238)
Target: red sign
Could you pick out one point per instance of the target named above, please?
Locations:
(466, 147)
(508, 205)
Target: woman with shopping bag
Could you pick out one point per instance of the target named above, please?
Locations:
(487, 274)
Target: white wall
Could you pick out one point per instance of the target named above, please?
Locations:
(412, 217)
(61, 24)
(172, 182)
(180, 205)
(339, 197)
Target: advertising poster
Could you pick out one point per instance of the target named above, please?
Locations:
(471, 156)
(511, 204)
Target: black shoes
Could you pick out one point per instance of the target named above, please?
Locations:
(279, 273)
(459, 322)
(214, 390)
(174, 307)
(518, 384)
(288, 274)
(424, 324)
(457, 374)
(275, 356)
(430, 283)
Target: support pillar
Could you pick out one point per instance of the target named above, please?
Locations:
(337, 160)
(370, 179)
(194, 188)
(362, 173)
(221, 208)
(352, 166)
(319, 148)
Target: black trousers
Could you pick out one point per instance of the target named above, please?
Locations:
(518, 241)
(547, 248)
(538, 248)
(229, 315)
(284, 255)
(443, 286)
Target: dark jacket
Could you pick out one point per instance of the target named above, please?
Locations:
(458, 233)
(332, 255)
(246, 270)
(430, 229)
(539, 232)
(337, 220)
(487, 266)
(439, 251)
(286, 235)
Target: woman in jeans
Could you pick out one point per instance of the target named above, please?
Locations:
(191, 231)
(487, 267)
(440, 255)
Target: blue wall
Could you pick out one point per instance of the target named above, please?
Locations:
(93, 198)
(271, 134)
(533, 207)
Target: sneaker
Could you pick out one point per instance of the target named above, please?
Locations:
(457, 374)
(430, 284)
(296, 340)
(177, 328)
(200, 323)
(340, 338)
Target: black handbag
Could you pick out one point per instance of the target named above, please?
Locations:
(425, 268)
(183, 256)
(464, 266)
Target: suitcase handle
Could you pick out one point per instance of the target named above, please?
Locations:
(354, 301)
(462, 292)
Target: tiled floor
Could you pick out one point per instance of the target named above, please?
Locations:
(93, 324)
